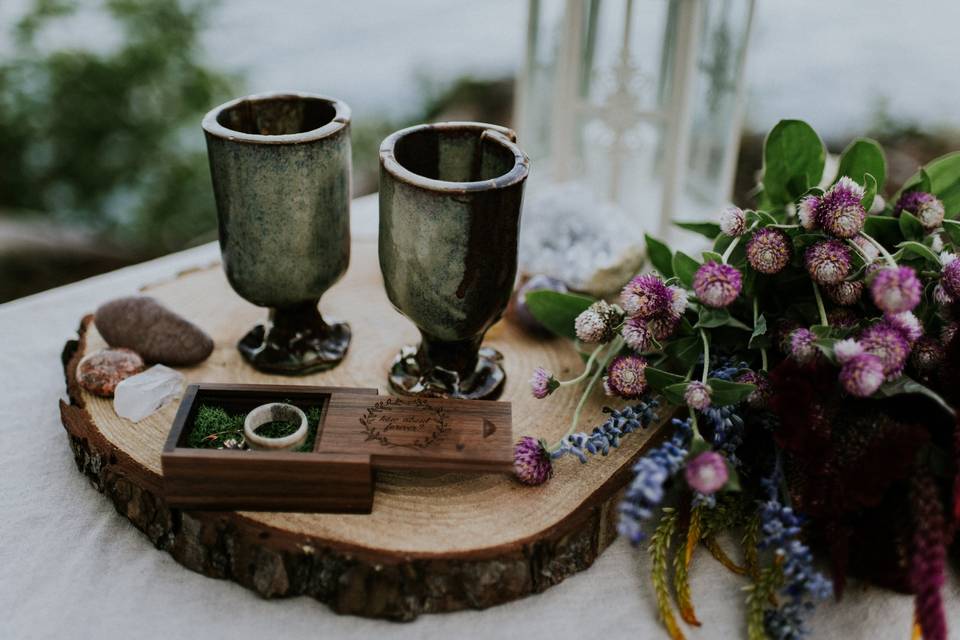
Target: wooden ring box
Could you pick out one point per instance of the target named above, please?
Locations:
(359, 433)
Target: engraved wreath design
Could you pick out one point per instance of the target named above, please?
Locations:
(369, 418)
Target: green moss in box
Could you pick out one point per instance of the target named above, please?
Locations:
(215, 428)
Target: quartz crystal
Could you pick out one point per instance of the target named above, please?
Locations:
(139, 396)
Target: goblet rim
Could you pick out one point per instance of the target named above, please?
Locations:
(502, 135)
(341, 118)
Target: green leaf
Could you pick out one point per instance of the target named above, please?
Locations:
(724, 392)
(884, 229)
(713, 318)
(708, 229)
(660, 379)
(910, 227)
(712, 255)
(906, 384)
(684, 351)
(942, 177)
(921, 250)
(869, 191)
(861, 157)
(793, 159)
(821, 330)
(684, 268)
(759, 339)
(952, 227)
(660, 256)
(557, 311)
(674, 393)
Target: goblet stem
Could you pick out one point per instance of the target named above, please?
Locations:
(459, 356)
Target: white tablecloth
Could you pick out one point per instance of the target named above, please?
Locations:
(71, 567)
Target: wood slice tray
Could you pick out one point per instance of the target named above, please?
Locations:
(435, 541)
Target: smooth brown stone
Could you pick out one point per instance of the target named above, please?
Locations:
(101, 371)
(156, 333)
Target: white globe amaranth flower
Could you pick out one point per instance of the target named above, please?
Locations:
(733, 221)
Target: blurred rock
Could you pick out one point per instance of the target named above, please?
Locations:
(517, 311)
(156, 333)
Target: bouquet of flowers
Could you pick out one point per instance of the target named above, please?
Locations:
(810, 357)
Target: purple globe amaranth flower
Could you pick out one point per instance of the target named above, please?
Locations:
(678, 302)
(543, 383)
(896, 289)
(802, 345)
(867, 249)
(807, 212)
(845, 292)
(828, 261)
(531, 462)
(840, 212)
(927, 207)
(759, 397)
(733, 222)
(927, 355)
(662, 327)
(769, 250)
(846, 350)
(645, 296)
(784, 329)
(626, 377)
(887, 343)
(948, 332)
(707, 473)
(697, 396)
(941, 297)
(862, 375)
(636, 333)
(842, 317)
(907, 324)
(950, 277)
(716, 284)
(598, 322)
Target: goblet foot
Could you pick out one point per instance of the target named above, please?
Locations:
(296, 342)
(408, 377)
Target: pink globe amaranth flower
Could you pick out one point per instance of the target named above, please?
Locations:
(645, 296)
(802, 345)
(846, 292)
(784, 330)
(662, 327)
(846, 350)
(862, 375)
(636, 333)
(697, 396)
(807, 212)
(707, 473)
(543, 383)
(927, 207)
(907, 324)
(678, 302)
(941, 297)
(626, 377)
(927, 355)
(732, 221)
(717, 285)
(828, 261)
(950, 278)
(867, 249)
(840, 212)
(531, 462)
(759, 397)
(769, 250)
(896, 289)
(887, 343)
(598, 322)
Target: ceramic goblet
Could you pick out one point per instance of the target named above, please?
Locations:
(450, 199)
(280, 165)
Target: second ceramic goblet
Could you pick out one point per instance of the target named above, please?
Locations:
(280, 165)
(450, 200)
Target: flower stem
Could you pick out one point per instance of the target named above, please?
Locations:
(706, 355)
(823, 312)
(730, 248)
(883, 252)
(615, 347)
(587, 368)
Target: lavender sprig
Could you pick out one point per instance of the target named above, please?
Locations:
(651, 472)
(608, 434)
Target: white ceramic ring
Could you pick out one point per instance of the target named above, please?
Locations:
(269, 413)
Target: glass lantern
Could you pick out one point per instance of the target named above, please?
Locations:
(637, 102)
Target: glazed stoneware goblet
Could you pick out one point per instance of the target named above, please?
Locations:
(280, 165)
(450, 199)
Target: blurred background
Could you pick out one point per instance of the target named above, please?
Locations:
(102, 160)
